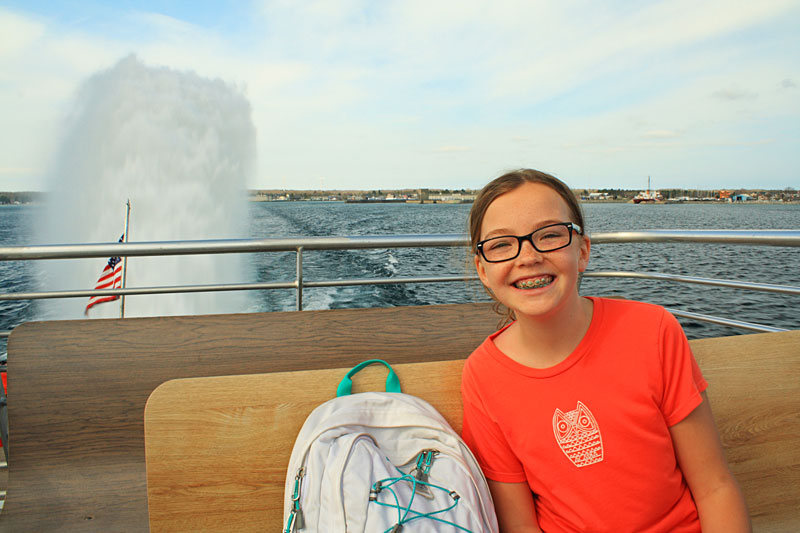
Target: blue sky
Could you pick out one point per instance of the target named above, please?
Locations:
(352, 94)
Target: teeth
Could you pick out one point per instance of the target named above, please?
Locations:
(535, 283)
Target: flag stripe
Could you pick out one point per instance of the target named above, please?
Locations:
(106, 280)
(101, 300)
(110, 278)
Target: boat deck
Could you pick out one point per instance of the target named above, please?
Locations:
(80, 389)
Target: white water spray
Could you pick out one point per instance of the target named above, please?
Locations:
(180, 147)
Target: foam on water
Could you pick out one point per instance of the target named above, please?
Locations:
(181, 148)
(318, 299)
(391, 264)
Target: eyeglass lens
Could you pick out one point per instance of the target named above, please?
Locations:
(544, 240)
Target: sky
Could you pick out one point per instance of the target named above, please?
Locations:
(359, 94)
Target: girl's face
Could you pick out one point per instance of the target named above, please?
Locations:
(553, 274)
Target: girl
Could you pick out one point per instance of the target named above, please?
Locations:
(586, 414)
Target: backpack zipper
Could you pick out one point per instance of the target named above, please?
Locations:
(296, 520)
(421, 471)
(463, 464)
(424, 461)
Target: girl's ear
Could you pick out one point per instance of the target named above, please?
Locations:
(586, 246)
(481, 270)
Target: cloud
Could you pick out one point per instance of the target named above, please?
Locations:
(18, 33)
(340, 87)
(661, 134)
(729, 142)
(166, 25)
(19, 170)
(451, 149)
(734, 94)
(568, 48)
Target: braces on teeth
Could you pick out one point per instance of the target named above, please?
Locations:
(534, 284)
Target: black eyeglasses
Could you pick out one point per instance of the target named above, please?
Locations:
(545, 239)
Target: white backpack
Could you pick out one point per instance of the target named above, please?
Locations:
(383, 462)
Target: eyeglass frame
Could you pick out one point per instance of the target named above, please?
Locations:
(529, 237)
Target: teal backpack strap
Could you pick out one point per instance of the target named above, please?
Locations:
(345, 387)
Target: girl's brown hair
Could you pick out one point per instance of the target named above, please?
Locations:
(507, 183)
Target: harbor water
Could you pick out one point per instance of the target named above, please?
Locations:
(763, 264)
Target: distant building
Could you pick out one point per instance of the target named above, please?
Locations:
(452, 198)
(725, 195)
(598, 196)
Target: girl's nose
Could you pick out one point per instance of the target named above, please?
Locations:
(528, 252)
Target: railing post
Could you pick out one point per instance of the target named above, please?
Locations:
(299, 279)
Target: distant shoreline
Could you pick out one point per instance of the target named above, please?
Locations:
(593, 202)
(462, 196)
(467, 196)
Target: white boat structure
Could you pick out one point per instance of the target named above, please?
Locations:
(648, 196)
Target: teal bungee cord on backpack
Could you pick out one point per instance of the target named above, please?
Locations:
(402, 517)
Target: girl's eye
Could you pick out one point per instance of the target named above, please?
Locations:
(551, 235)
(498, 244)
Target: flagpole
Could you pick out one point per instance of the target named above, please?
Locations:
(125, 258)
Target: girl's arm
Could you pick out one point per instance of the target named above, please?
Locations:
(513, 503)
(719, 500)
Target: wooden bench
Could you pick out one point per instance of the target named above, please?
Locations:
(234, 480)
(78, 390)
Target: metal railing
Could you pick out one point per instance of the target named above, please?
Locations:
(789, 238)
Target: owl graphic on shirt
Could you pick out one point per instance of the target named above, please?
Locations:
(578, 435)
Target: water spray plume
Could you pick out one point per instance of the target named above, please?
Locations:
(181, 148)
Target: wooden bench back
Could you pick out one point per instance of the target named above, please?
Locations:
(217, 448)
(234, 481)
(77, 391)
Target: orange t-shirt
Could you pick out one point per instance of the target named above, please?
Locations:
(590, 435)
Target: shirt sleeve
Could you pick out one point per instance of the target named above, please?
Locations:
(682, 379)
(483, 435)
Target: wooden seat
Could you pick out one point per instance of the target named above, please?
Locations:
(234, 480)
(78, 390)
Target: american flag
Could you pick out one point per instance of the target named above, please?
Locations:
(111, 278)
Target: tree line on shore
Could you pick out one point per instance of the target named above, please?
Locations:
(24, 197)
(789, 194)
